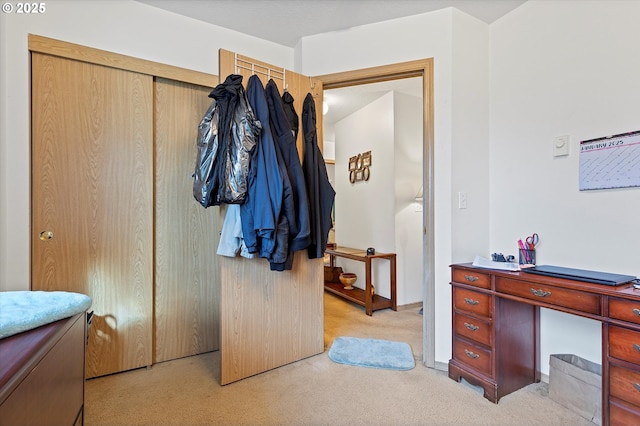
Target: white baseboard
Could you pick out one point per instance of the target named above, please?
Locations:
(544, 378)
(442, 366)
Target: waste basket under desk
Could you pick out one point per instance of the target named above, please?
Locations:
(357, 295)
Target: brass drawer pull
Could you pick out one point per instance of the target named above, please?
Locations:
(471, 354)
(636, 347)
(637, 386)
(636, 311)
(471, 278)
(471, 326)
(540, 293)
(470, 301)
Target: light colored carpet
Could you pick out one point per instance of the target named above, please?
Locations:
(315, 391)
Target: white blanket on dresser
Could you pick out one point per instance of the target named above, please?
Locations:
(24, 310)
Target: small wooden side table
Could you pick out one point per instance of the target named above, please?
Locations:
(364, 297)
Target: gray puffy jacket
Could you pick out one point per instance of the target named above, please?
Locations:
(227, 135)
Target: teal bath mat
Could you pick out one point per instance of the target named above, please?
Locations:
(372, 353)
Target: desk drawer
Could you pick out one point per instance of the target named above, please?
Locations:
(621, 414)
(472, 301)
(474, 356)
(474, 278)
(625, 310)
(624, 384)
(571, 299)
(624, 344)
(472, 328)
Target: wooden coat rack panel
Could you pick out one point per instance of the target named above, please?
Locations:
(269, 319)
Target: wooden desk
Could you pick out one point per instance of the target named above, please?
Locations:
(364, 297)
(496, 333)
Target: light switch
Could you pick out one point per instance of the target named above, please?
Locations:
(561, 145)
(462, 200)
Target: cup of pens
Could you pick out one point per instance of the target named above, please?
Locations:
(527, 257)
(527, 250)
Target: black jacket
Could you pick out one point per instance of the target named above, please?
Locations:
(298, 218)
(319, 190)
(290, 112)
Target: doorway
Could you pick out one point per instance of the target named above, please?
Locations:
(422, 69)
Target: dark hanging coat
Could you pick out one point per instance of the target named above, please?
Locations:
(227, 135)
(261, 211)
(290, 112)
(205, 179)
(319, 190)
(298, 218)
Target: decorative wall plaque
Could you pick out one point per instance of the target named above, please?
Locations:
(359, 167)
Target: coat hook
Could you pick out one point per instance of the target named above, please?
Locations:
(312, 84)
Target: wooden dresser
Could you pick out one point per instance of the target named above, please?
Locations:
(42, 374)
(496, 333)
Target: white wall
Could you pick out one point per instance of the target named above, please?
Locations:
(461, 129)
(381, 212)
(407, 126)
(563, 67)
(365, 210)
(120, 26)
(470, 136)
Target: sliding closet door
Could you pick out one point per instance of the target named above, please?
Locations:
(92, 201)
(269, 319)
(186, 273)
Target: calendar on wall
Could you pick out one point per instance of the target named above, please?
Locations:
(610, 162)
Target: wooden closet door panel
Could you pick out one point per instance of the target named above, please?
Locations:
(269, 319)
(187, 277)
(92, 172)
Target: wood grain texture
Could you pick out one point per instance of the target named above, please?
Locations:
(417, 68)
(92, 186)
(269, 319)
(100, 57)
(46, 386)
(186, 235)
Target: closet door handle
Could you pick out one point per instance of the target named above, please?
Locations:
(46, 235)
(470, 301)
